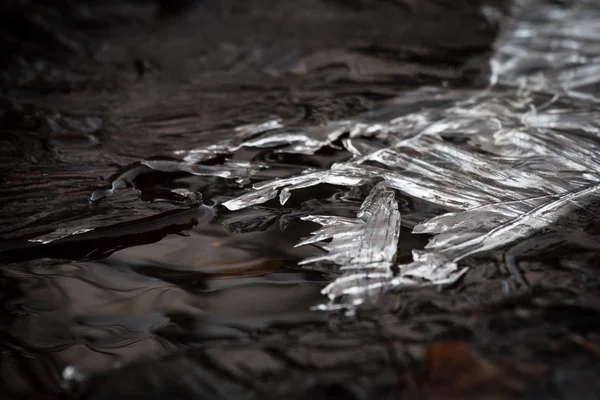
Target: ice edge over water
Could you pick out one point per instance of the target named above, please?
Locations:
(506, 162)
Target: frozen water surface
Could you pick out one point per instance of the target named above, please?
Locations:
(189, 195)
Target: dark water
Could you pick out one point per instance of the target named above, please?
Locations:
(162, 284)
(148, 300)
(146, 287)
(137, 301)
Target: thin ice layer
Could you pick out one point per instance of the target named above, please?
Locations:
(552, 47)
(507, 163)
(521, 184)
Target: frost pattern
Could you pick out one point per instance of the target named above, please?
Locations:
(507, 163)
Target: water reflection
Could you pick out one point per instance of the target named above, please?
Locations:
(148, 300)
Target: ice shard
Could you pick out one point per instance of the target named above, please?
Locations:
(365, 246)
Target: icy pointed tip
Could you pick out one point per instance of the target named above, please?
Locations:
(303, 243)
(233, 205)
(312, 260)
(329, 307)
(419, 228)
(100, 194)
(284, 196)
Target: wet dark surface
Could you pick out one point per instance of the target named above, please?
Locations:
(170, 296)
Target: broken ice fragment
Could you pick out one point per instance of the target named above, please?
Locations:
(228, 170)
(367, 243)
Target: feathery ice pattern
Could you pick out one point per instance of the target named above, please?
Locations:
(506, 163)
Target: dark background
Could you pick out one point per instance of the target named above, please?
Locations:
(89, 87)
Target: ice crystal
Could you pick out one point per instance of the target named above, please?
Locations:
(506, 163)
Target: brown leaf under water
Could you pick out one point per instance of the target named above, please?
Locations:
(454, 372)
